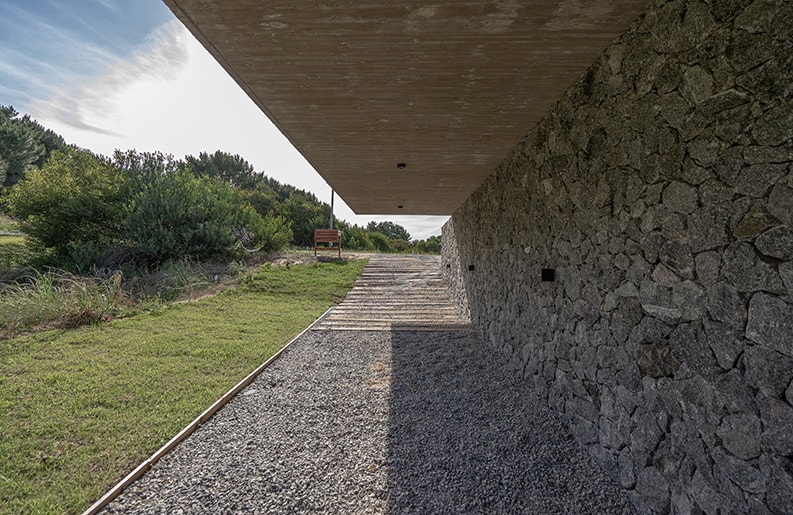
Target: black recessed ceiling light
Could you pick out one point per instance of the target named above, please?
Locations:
(401, 165)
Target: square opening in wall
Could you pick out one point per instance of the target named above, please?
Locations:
(548, 274)
(470, 268)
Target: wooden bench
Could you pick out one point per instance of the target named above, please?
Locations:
(328, 236)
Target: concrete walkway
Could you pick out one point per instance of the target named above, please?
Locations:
(397, 292)
(391, 404)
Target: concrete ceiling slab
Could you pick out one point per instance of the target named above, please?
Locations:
(405, 107)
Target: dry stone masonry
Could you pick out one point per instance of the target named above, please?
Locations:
(660, 190)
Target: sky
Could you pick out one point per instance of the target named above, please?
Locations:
(126, 74)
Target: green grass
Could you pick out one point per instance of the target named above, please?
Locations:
(7, 224)
(79, 409)
(60, 300)
(13, 252)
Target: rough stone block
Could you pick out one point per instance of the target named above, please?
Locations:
(746, 476)
(706, 149)
(631, 378)
(775, 126)
(747, 272)
(584, 431)
(779, 481)
(689, 298)
(727, 166)
(654, 489)
(656, 360)
(707, 228)
(740, 434)
(770, 323)
(725, 341)
(651, 245)
(759, 154)
(678, 257)
(777, 417)
(734, 393)
(726, 305)
(697, 84)
(664, 276)
(707, 266)
(627, 471)
(689, 346)
(638, 269)
(680, 197)
(650, 330)
(767, 370)
(757, 180)
(698, 402)
(750, 222)
(704, 495)
(780, 204)
(789, 393)
(776, 242)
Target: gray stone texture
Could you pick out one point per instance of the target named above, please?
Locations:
(771, 323)
(664, 200)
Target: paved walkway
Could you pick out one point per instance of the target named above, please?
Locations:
(391, 404)
(397, 292)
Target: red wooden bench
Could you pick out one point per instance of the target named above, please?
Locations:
(328, 236)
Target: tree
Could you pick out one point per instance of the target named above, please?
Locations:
(354, 237)
(19, 148)
(305, 215)
(75, 200)
(225, 167)
(391, 230)
(263, 199)
(380, 242)
(144, 169)
(51, 140)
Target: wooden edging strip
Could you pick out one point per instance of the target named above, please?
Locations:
(187, 431)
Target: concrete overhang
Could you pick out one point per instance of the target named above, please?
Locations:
(405, 107)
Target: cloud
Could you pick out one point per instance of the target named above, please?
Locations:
(160, 57)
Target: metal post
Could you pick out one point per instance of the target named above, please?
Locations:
(331, 208)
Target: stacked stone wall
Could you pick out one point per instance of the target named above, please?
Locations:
(660, 191)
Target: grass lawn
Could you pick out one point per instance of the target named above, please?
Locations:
(79, 409)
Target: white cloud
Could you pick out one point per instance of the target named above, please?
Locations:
(160, 57)
(172, 96)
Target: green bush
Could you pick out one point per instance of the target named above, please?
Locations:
(184, 216)
(380, 242)
(75, 200)
(355, 239)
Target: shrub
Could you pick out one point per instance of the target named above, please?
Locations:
(355, 239)
(184, 216)
(74, 199)
(380, 242)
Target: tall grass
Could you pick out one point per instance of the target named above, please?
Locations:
(58, 299)
(8, 224)
(14, 253)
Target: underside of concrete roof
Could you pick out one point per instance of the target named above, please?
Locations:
(405, 107)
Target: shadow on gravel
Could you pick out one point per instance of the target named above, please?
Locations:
(466, 435)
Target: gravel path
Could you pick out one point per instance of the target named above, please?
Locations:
(379, 422)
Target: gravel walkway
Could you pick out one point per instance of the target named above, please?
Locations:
(379, 422)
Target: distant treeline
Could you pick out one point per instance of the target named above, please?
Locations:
(84, 210)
